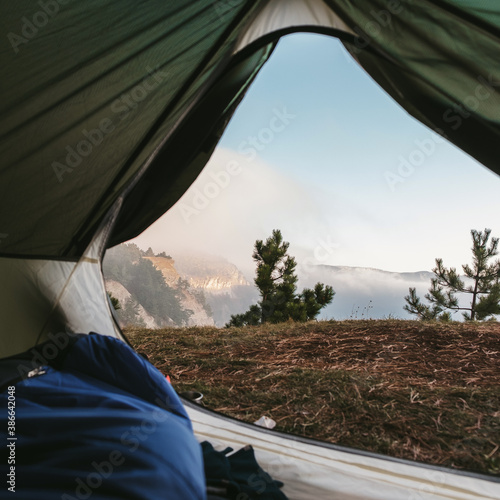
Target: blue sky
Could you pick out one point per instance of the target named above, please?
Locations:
(346, 174)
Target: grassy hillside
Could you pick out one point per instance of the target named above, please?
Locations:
(422, 391)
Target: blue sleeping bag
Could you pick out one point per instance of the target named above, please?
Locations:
(96, 421)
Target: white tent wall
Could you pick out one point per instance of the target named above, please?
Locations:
(316, 472)
(40, 298)
(282, 14)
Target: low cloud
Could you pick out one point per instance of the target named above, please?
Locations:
(233, 202)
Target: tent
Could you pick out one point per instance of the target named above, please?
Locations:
(111, 108)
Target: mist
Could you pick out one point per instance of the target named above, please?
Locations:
(238, 199)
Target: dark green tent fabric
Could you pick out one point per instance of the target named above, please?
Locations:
(109, 103)
(439, 60)
(189, 149)
(89, 92)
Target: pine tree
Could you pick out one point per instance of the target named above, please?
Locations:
(277, 283)
(484, 288)
(146, 284)
(114, 301)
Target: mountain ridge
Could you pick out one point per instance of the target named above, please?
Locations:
(365, 268)
(211, 288)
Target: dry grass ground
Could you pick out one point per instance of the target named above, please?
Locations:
(423, 391)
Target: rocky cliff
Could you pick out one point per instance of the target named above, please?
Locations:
(210, 273)
(208, 289)
(150, 291)
(191, 300)
(117, 290)
(226, 289)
